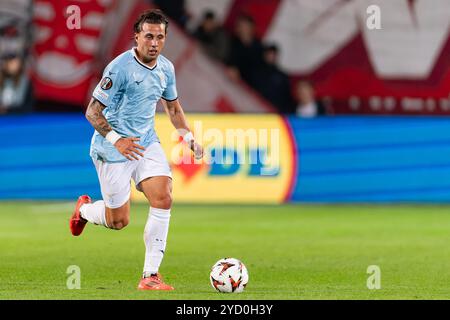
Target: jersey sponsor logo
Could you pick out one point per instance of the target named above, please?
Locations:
(106, 83)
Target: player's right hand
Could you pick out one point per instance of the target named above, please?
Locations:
(129, 148)
(197, 150)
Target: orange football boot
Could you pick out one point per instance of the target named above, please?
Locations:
(154, 282)
(76, 222)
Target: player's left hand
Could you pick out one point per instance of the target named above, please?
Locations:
(197, 149)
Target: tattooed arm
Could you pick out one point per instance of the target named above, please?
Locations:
(126, 145)
(94, 114)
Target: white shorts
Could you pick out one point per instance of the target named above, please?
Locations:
(115, 178)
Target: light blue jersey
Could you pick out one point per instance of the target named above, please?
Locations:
(130, 91)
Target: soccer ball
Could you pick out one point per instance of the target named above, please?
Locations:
(229, 275)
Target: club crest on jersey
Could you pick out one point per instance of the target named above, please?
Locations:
(106, 83)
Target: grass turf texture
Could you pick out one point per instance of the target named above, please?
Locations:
(291, 251)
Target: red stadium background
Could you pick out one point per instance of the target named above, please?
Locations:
(404, 68)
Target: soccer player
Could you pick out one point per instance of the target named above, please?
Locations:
(125, 145)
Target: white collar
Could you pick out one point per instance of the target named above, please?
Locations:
(133, 52)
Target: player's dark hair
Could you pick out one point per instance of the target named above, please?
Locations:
(155, 16)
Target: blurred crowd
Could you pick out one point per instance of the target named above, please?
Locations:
(15, 34)
(245, 57)
(15, 86)
(248, 59)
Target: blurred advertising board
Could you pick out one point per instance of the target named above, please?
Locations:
(248, 159)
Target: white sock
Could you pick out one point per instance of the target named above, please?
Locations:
(94, 212)
(155, 237)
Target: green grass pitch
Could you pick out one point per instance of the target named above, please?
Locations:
(291, 251)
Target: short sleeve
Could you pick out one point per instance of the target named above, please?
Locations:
(109, 90)
(170, 93)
